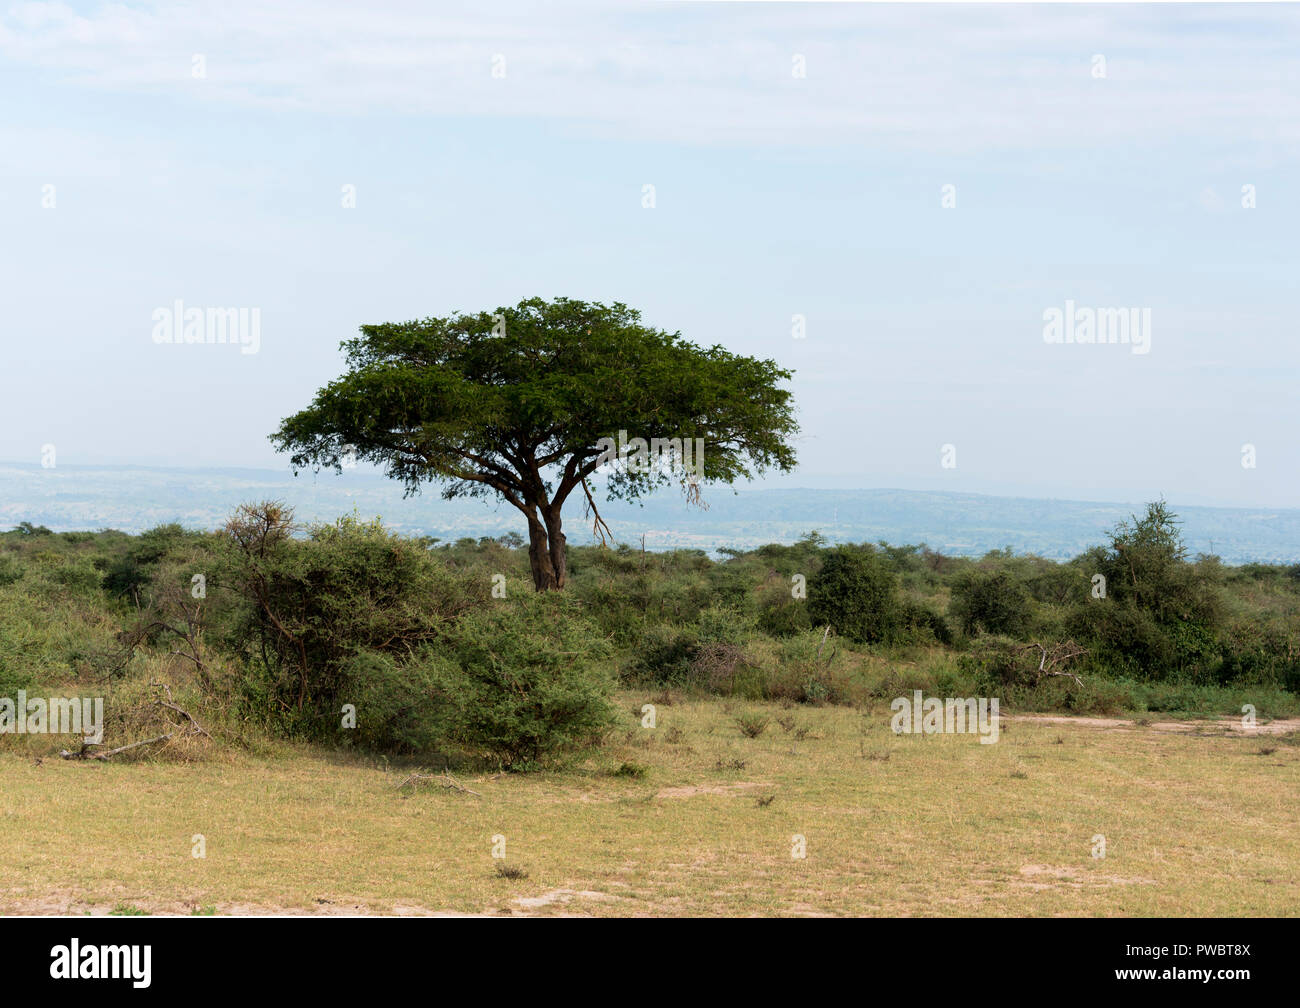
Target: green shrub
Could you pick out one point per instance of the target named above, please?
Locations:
(722, 667)
(919, 624)
(129, 571)
(33, 645)
(1183, 698)
(997, 662)
(785, 619)
(1260, 652)
(856, 593)
(1162, 616)
(664, 657)
(1095, 696)
(524, 681)
(752, 725)
(311, 606)
(808, 671)
(720, 625)
(619, 607)
(780, 614)
(11, 571)
(78, 575)
(989, 602)
(395, 702)
(14, 677)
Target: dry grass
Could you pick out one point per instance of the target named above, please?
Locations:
(1195, 824)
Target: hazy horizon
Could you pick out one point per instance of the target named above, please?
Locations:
(136, 498)
(431, 490)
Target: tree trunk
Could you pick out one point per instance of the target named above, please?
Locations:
(539, 557)
(555, 541)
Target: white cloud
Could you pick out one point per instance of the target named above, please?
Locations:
(917, 77)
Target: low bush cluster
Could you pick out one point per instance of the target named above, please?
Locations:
(348, 634)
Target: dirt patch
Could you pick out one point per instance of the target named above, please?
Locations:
(559, 896)
(690, 790)
(69, 904)
(1037, 876)
(1032, 870)
(1283, 726)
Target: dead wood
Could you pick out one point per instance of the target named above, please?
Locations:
(443, 780)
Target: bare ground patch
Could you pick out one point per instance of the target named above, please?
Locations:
(560, 896)
(1037, 876)
(690, 790)
(1282, 726)
(71, 904)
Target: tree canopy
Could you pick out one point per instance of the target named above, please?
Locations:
(524, 403)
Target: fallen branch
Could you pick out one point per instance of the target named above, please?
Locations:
(195, 726)
(177, 731)
(443, 780)
(109, 753)
(1060, 653)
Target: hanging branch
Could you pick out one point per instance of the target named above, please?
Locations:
(598, 527)
(692, 487)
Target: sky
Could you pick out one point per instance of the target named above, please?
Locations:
(1112, 156)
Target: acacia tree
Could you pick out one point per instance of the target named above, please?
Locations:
(515, 403)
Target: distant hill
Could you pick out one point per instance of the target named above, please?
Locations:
(136, 498)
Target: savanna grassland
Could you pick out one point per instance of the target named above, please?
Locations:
(341, 720)
(690, 818)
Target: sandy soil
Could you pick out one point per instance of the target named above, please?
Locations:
(1232, 726)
